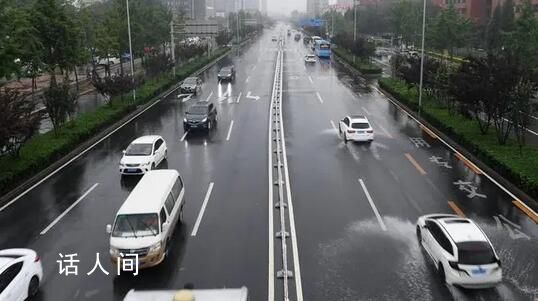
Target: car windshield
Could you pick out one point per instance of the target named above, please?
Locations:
(226, 70)
(197, 110)
(136, 225)
(190, 81)
(310, 56)
(139, 149)
(360, 125)
(475, 253)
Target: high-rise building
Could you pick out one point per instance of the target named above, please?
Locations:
(312, 8)
(251, 4)
(263, 6)
(199, 7)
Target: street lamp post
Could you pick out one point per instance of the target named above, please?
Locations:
(354, 24)
(130, 50)
(422, 59)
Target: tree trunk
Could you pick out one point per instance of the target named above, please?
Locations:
(76, 80)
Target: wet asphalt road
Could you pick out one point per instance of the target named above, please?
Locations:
(344, 253)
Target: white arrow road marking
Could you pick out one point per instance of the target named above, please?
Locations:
(186, 97)
(252, 96)
(239, 97)
(225, 95)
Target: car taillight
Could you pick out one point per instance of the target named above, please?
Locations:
(37, 258)
(455, 266)
(370, 131)
(350, 131)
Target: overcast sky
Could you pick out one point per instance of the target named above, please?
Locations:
(287, 6)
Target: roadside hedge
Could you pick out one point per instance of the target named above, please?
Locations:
(364, 67)
(44, 149)
(520, 168)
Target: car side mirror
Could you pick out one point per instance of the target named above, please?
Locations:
(165, 227)
(124, 151)
(109, 229)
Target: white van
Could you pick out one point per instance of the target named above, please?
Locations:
(224, 294)
(146, 221)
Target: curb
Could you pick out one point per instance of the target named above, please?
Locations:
(520, 194)
(90, 143)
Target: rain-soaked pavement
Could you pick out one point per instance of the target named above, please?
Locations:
(345, 251)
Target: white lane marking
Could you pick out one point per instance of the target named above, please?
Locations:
(527, 129)
(202, 210)
(68, 209)
(533, 117)
(458, 153)
(230, 131)
(184, 136)
(296, 266)
(366, 111)
(239, 96)
(319, 97)
(374, 208)
(310, 79)
(84, 151)
(384, 131)
(334, 126)
(210, 94)
(248, 78)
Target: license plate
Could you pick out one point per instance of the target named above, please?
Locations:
(360, 132)
(131, 169)
(478, 272)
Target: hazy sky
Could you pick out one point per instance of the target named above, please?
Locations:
(287, 6)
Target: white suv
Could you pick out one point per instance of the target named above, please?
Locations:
(143, 155)
(460, 250)
(356, 128)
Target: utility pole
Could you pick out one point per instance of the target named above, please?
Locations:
(422, 59)
(130, 50)
(173, 47)
(354, 24)
(192, 9)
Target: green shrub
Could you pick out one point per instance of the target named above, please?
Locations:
(520, 168)
(44, 149)
(365, 67)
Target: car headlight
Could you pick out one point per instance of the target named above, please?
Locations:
(145, 164)
(155, 248)
(114, 252)
(184, 119)
(122, 164)
(204, 120)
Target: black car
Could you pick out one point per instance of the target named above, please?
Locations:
(297, 37)
(201, 115)
(227, 73)
(191, 85)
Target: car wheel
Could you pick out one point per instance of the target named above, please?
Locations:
(33, 287)
(185, 129)
(166, 155)
(340, 130)
(152, 166)
(345, 137)
(419, 235)
(181, 219)
(441, 272)
(209, 125)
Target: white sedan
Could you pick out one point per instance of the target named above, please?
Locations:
(310, 58)
(143, 155)
(20, 274)
(356, 128)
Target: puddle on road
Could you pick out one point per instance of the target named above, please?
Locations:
(367, 263)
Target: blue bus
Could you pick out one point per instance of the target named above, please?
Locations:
(322, 48)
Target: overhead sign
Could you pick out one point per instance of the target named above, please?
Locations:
(313, 23)
(199, 28)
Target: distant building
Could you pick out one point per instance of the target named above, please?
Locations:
(312, 8)
(193, 9)
(263, 6)
(479, 11)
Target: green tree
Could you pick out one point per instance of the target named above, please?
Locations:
(450, 30)
(59, 101)
(18, 120)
